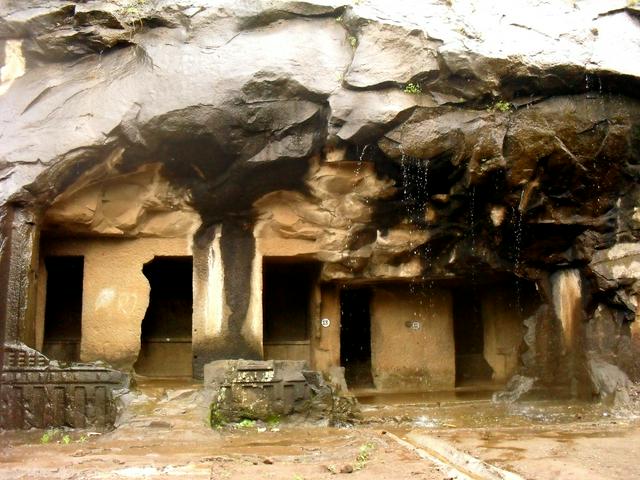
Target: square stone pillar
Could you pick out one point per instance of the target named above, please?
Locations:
(226, 287)
(325, 331)
(5, 267)
(18, 266)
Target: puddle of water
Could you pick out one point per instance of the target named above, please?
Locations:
(476, 410)
(463, 408)
(137, 445)
(426, 422)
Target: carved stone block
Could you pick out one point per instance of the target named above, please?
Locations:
(41, 393)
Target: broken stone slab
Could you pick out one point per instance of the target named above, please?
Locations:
(270, 389)
(36, 392)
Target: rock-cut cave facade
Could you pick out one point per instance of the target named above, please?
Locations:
(321, 182)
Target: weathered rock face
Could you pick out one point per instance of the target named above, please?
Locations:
(141, 203)
(420, 141)
(224, 89)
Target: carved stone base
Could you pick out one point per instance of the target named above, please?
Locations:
(41, 393)
(264, 390)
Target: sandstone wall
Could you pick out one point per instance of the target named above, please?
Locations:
(115, 292)
(503, 330)
(407, 355)
(391, 141)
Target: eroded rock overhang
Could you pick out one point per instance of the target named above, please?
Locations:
(497, 139)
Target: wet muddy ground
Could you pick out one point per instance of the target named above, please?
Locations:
(164, 436)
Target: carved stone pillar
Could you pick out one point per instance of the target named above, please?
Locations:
(223, 323)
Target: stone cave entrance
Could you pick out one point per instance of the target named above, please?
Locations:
(355, 337)
(165, 349)
(287, 299)
(396, 337)
(63, 307)
(468, 331)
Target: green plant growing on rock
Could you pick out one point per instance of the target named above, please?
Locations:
(272, 421)
(246, 423)
(47, 436)
(353, 41)
(55, 435)
(501, 106)
(413, 88)
(132, 12)
(132, 7)
(216, 418)
(364, 455)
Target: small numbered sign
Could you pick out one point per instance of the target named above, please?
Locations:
(325, 322)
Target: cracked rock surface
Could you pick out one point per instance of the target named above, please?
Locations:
(274, 81)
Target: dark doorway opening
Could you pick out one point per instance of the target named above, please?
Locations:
(63, 308)
(287, 292)
(355, 337)
(468, 332)
(165, 349)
